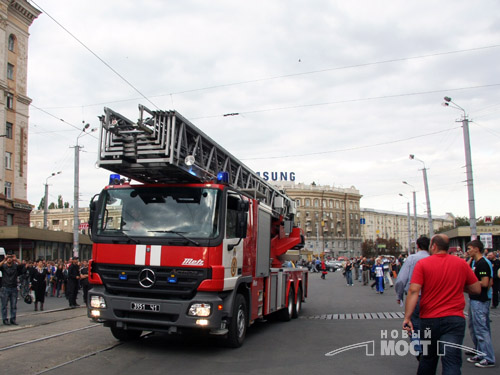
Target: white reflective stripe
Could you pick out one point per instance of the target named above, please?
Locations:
(155, 259)
(140, 255)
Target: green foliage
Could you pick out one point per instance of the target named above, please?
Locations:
(380, 246)
(461, 221)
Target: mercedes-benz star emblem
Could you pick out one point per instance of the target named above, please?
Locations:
(147, 278)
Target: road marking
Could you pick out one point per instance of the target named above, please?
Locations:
(356, 316)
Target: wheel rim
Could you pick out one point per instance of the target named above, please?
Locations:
(290, 304)
(240, 322)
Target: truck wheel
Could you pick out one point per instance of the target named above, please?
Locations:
(238, 324)
(298, 304)
(125, 335)
(286, 314)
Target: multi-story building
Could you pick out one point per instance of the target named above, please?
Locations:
(329, 217)
(388, 224)
(61, 219)
(16, 16)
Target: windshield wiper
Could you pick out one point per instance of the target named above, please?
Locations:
(178, 233)
(130, 238)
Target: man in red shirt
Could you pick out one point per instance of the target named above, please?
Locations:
(442, 279)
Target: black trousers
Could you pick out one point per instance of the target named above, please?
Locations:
(72, 291)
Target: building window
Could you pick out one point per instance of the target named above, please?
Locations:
(297, 203)
(10, 71)
(10, 101)
(8, 190)
(12, 43)
(8, 130)
(55, 222)
(316, 203)
(8, 160)
(10, 219)
(308, 202)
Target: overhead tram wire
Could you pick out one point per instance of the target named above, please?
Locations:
(354, 148)
(291, 75)
(96, 55)
(346, 101)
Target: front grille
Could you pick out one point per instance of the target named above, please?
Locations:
(143, 315)
(185, 287)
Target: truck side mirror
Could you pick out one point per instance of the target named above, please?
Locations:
(241, 224)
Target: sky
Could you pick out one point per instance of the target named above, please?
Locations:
(338, 92)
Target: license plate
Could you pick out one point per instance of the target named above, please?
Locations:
(144, 306)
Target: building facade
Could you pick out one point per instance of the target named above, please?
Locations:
(61, 219)
(388, 224)
(329, 217)
(16, 16)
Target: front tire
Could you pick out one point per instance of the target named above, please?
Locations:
(125, 335)
(238, 324)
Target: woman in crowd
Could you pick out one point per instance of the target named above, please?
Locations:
(378, 269)
(39, 283)
(59, 278)
(348, 272)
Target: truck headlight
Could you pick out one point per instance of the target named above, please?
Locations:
(200, 309)
(97, 302)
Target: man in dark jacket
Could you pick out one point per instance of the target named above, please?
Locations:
(11, 268)
(73, 279)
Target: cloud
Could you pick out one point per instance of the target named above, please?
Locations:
(339, 93)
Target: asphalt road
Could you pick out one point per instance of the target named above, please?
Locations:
(65, 341)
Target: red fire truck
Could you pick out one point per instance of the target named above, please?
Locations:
(186, 236)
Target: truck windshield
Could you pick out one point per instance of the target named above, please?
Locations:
(163, 212)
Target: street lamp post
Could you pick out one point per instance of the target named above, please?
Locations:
(414, 208)
(76, 220)
(46, 200)
(408, 220)
(468, 166)
(427, 197)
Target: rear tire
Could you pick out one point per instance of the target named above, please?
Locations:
(286, 314)
(298, 304)
(238, 324)
(125, 335)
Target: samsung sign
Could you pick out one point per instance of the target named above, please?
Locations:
(277, 176)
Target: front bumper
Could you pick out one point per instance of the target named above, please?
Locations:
(171, 313)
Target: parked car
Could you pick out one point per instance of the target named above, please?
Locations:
(333, 265)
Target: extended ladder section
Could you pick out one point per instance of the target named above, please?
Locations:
(164, 147)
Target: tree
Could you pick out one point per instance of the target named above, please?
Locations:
(60, 203)
(41, 205)
(462, 221)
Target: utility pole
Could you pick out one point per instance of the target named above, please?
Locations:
(427, 197)
(470, 182)
(46, 200)
(414, 209)
(408, 221)
(76, 189)
(468, 167)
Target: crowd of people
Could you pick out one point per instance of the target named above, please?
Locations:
(432, 282)
(36, 281)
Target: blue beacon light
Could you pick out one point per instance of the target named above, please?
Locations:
(223, 177)
(114, 179)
